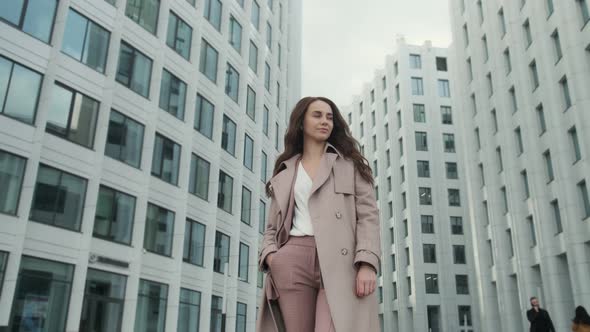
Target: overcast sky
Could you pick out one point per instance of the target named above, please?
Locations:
(344, 41)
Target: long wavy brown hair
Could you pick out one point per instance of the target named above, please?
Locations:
(341, 138)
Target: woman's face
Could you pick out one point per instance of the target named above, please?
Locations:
(317, 122)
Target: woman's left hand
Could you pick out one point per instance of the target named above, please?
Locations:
(366, 280)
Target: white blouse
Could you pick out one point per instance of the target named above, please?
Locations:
(301, 218)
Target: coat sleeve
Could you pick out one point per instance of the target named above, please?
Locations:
(269, 244)
(550, 322)
(368, 243)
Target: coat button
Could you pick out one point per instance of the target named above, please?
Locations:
(344, 252)
(338, 215)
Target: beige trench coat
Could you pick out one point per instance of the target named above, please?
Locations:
(346, 227)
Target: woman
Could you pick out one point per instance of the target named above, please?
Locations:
(321, 247)
(581, 323)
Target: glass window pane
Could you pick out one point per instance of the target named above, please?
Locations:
(83, 120)
(158, 230)
(103, 301)
(74, 35)
(114, 215)
(23, 93)
(96, 47)
(142, 71)
(144, 12)
(69, 209)
(41, 283)
(39, 18)
(197, 243)
(57, 117)
(150, 314)
(12, 169)
(11, 10)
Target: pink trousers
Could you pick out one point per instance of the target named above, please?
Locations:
(302, 298)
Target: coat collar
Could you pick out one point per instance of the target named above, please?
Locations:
(282, 182)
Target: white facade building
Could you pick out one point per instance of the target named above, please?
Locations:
(521, 71)
(407, 128)
(135, 140)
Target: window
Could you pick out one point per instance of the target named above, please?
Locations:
(179, 36)
(166, 159)
(267, 76)
(385, 106)
(103, 290)
(449, 142)
(556, 45)
(41, 282)
(477, 139)
(423, 168)
(277, 136)
(525, 183)
(189, 310)
(504, 199)
(387, 132)
(208, 60)
(443, 88)
(172, 94)
(473, 103)
(194, 242)
(279, 55)
(372, 96)
(406, 231)
(397, 93)
(228, 135)
(263, 171)
(217, 318)
(507, 61)
(575, 143)
(225, 191)
(375, 168)
(462, 284)
(408, 260)
(486, 214)
(556, 216)
(429, 252)
(134, 70)
(469, 70)
(144, 13)
(383, 83)
(494, 121)
(151, 306)
(115, 212)
(417, 86)
(482, 175)
(548, 165)
(253, 57)
(58, 199)
(415, 61)
(490, 84)
(465, 35)
(402, 174)
(124, 139)
(159, 230)
(409, 280)
(459, 254)
(241, 317)
(395, 69)
(451, 170)
(19, 91)
(265, 115)
(204, 111)
(72, 116)
(464, 315)
(86, 41)
(534, 75)
(419, 113)
(502, 19)
(565, 90)
(480, 11)
(431, 281)
(232, 82)
(248, 152)
(362, 129)
(421, 142)
(532, 230)
(361, 107)
(212, 12)
(255, 15)
(32, 17)
(246, 205)
(433, 316)
(454, 199)
(510, 245)
(244, 262)
(389, 205)
(269, 35)
(513, 101)
(441, 64)
(456, 225)
(261, 217)
(427, 224)
(393, 265)
(541, 117)
(584, 198)
(425, 195)
(446, 114)
(585, 15)
(519, 145)
(3, 263)
(235, 34)
(404, 202)
(278, 94)
(12, 172)
(221, 252)
(527, 33)
(484, 44)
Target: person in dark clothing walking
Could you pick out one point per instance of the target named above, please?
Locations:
(539, 318)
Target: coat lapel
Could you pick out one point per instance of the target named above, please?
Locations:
(281, 183)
